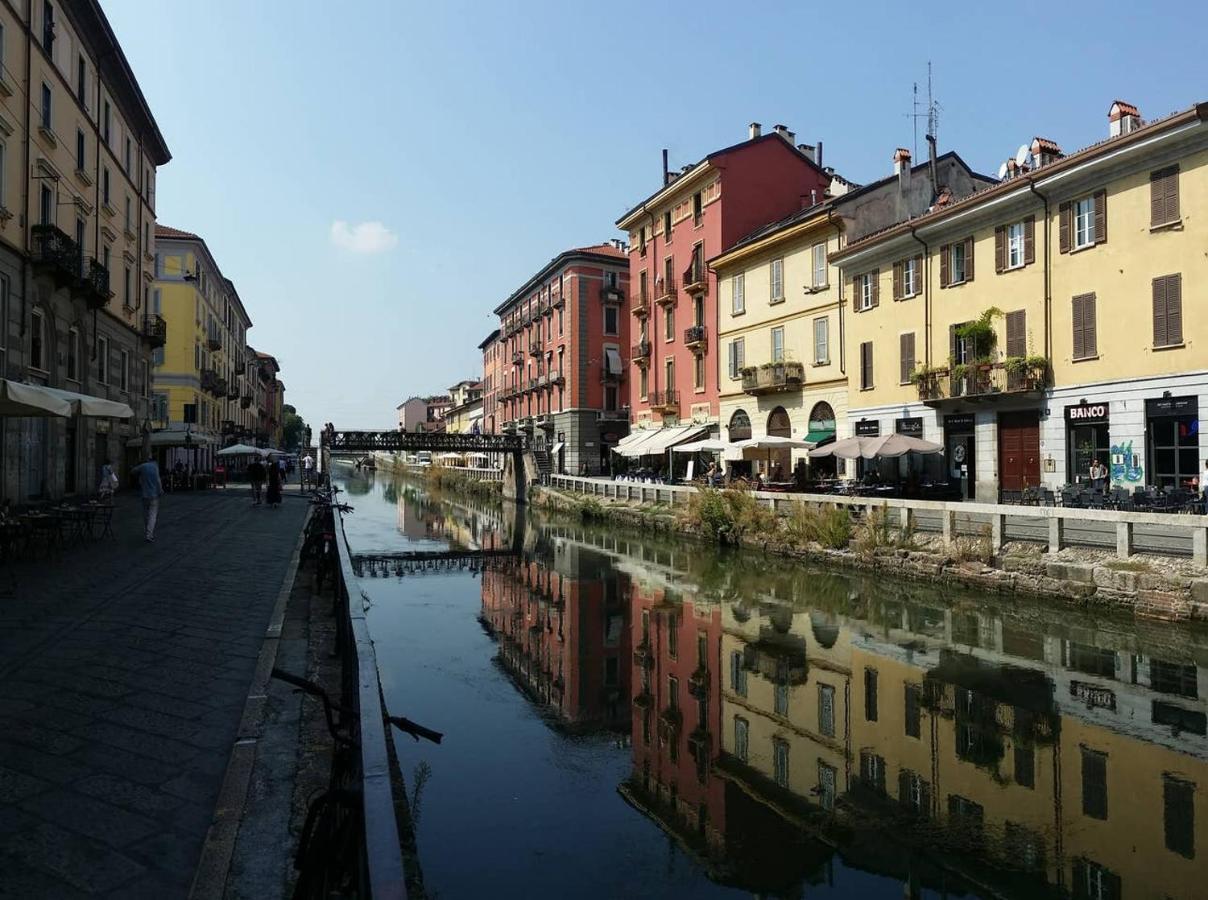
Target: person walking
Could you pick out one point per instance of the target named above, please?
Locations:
(1098, 476)
(308, 468)
(147, 473)
(255, 475)
(108, 482)
(274, 484)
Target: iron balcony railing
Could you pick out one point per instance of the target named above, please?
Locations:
(56, 254)
(641, 305)
(696, 278)
(155, 330)
(665, 292)
(612, 294)
(94, 283)
(982, 381)
(640, 352)
(214, 339)
(668, 401)
(695, 335)
(517, 358)
(535, 348)
(773, 377)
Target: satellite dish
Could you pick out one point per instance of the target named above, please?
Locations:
(1002, 171)
(1024, 156)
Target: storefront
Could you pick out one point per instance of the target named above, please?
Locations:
(960, 452)
(1172, 435)
(1087, 438)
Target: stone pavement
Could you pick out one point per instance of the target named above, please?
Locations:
(124, 668)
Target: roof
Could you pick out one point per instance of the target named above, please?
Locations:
(165, 231)
(1197, 112)
(493, 336)
(601, 253)
(741, 145)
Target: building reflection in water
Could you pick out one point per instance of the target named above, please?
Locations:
(784, 721)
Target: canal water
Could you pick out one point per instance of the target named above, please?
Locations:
(628, 716)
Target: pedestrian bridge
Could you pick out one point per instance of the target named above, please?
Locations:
(439, 562)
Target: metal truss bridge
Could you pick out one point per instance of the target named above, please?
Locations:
(398, 565)
(366, 442)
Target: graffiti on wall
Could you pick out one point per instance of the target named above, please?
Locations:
(1126, 465)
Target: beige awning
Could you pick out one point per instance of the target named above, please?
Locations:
(18, 399)
(87, 405)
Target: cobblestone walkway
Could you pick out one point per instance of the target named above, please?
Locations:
(124, 667)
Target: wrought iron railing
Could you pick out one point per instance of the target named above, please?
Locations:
(640, 351)
(773, 377)
(155, 330)
(695, 335)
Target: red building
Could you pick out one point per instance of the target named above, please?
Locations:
(564, 336)
(698, 213)
(492, 372)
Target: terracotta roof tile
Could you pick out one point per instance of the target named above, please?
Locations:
(1125, 109)
(165, 231)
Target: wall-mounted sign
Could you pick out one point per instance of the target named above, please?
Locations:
(868, 428)
(1093, 695)
(961, 422)
(608, 437)
(1173, 406)
(912, 427)
(1086, 413)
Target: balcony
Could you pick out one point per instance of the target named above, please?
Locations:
(665, 292)
(773, 378)
(671, 720)
(612, 294)
(977, 382)
(640, 353)
(698, 683)
(643, 655)
(694, 337)
(699, 743)
(517, 357)
(209, 378)
(665, 401)
(213, 341)
(607, 377)
(556, 378)
(643, 700)
(696, 279)
(228, 426)
(641, 306)
(245, 401)
(155, 330)
(55, 254)
(535, 348)
(547, 308)
(94, 285)
(232, 391)
(220, 387)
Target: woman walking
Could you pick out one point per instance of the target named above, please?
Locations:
(274, 484)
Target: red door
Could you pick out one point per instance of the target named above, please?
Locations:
(1018, 450)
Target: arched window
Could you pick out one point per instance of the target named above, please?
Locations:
(778, 423)
(740, 426)
(822, 416)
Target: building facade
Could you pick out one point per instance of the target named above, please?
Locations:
(79, 150)
(464, 415)
(699, 213)
(1000, 354)
(492, 372)
(564, 337)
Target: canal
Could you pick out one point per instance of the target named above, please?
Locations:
(628, 716)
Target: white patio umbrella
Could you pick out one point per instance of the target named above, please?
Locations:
(237, 450)
(87, 405)
(772, 442)
(886, 446)
(18, 399)
(708, 445)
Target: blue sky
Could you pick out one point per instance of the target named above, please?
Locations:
(480, 139)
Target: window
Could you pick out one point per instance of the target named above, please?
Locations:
(910, 276)
(643, 383)
(1174, 678)
(126, 287)
(669, 323)
(865, 289)
(47, 101)
(1086, 342)
(73, 353)
(1084, 222)
(826, 710)
(698, 372)
(914, 793)
(866, 366)
(738, 302)
(697, 208)
(821, 341)
(956, 266)
(190, 413)
(737, 357)
(870, 695)
(672, 623)
(643, 292)
(105, 186)
(81, 80)
(906, 355)
(102, 360)
(776, 277)
(780, 761)
(827, 778)
(1014, 245)
(913, 709)
(1095, 882)
(741, 737)
(778, 344)
(738, 674)
(611, 315)
(672, 692)
(3, 324)
(1164, 197)
(126, 157)
(1178, 798)
(123, 375)
(1094, 783)
(39, 353)
(667, 226)
(1025, 765)
(1168, 311)
(48, 27)
(46, 205)
(819, 257)
(642, 240)
(105, 125)
(781, 699)
(872, 771)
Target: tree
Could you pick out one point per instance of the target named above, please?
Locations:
(292, 428)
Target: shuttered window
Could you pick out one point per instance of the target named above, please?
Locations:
(1094, 784)
(906, 278)
(866, 365)
(866, 290)
(1086, 343)
(821, 341)
(776, 279)
(737, 352)
(1017, 335)
(1083, 223)
(1168, 311)
(1164, 196)
(1178, 805)
(907, 341)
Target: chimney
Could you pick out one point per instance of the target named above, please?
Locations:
(784, 132)
(935, 180)
(666, 180)
(1044, 152)
(1122, 118)
(819, 159)
(901, 161)
(754, 130)
(807, 150)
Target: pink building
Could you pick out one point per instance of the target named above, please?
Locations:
(492, 372)
(698, 213)
(564, 338)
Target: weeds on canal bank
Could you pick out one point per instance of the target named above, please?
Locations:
(829, 526)
(449, 480)
(876, 534)
(727, 516)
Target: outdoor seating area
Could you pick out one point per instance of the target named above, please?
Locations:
(1142, 498)
(39, 530)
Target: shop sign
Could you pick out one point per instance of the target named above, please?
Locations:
(868, 428)
(609, 437)
(1087, 413)
(962, 422)
(912, 427)
(1093, 695)
(1173, 406)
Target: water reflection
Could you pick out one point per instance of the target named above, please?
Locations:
(784, 721)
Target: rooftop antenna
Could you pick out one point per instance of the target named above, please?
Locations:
(933, 109)
(932, 115)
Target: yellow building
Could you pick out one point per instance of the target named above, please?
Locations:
(464, 414)
(201, 377)
(1040, 324)
(79, 149)
(780, 317)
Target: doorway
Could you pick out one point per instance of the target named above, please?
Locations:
(1018, 450)
(70, 458)
(960, 450)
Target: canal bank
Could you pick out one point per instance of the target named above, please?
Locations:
(981, 546)
(633, 714)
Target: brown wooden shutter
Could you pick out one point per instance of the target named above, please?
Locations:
(1089, 329)
(1172, 195)
(1100, 216)
(1017, 333)
(1079, 334)
(855, 293)
(1063, 228)
(951, 345)
(1161, 336)
(1000, 248)
(918, 274)
(1157, 204)
(907, 356)
(1029, 240)
(1174, 308)
(968, 259)
(876, 287)
(944, 265)
(866, 365)
(897, 281)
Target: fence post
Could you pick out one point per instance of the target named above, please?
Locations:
(1124, 539)
(1199, 545)
(906, 519)
(998, 522)
(1056, 534)
(948, 523)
